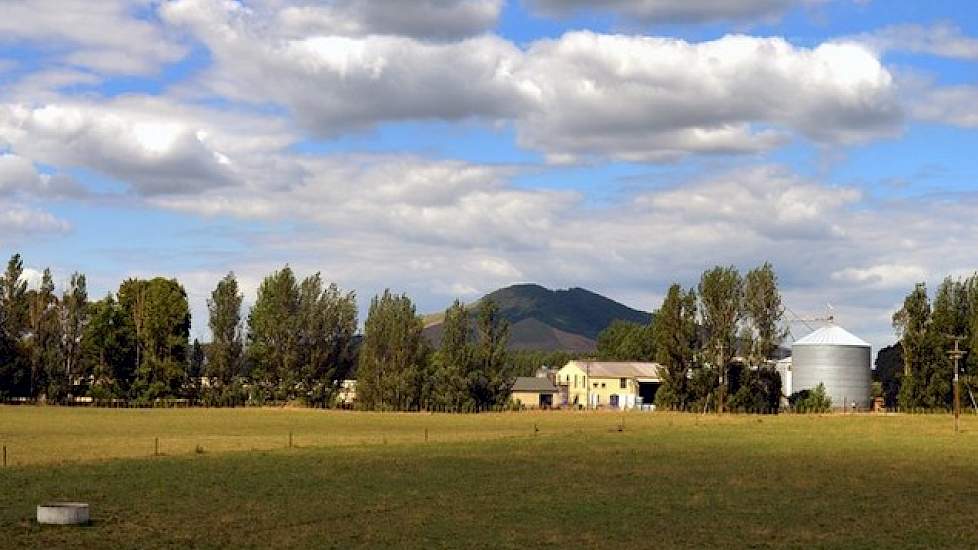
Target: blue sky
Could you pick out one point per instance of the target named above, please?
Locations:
(463, 145)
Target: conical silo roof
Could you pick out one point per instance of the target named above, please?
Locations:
(832, 335)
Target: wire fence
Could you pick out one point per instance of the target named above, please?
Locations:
(183, 403)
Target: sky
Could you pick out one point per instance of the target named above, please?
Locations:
(446, 148)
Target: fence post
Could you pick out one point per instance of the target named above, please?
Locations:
(290, 439)
(156, 446)
(4, 456)
(426, 435)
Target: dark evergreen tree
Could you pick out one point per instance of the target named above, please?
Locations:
(888, 371)
(491, 382)
(109, 350)
(15, 367)
(195, 370)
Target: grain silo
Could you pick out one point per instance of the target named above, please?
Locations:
(835, 357)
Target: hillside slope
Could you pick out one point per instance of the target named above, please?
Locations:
(544, 319)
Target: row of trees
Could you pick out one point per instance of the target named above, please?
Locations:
(927, 329)
(133, 343)
(470, 370)
(696, 334)
(297, 341)
(40, 332)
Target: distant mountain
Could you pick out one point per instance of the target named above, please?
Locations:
(544, 319)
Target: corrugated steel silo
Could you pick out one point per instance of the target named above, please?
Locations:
(835, 357)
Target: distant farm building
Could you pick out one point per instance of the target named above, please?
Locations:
(534, 392)
(346, 393)
(608, 384)
(832, 356)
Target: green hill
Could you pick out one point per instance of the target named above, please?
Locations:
(544, 319)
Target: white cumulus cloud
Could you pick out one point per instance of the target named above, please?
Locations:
(108, 36)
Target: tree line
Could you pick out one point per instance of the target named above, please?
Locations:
(716, 342)
(297, 341)
(917, 372)
(300, 338)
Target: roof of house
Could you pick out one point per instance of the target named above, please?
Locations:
(832, 335)
(533, 384)
(618, 369)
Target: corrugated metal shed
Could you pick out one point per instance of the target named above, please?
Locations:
(533, 384)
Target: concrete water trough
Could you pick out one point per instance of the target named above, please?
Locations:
(63, 513)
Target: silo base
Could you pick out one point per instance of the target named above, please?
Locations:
(63, 513)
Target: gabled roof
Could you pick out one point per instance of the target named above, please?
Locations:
(618, 369)
(831, 335)
(533, 384)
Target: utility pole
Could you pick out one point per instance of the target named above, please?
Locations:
(957, 353)
(723, 370)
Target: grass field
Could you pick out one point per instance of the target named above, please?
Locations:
(363, 479)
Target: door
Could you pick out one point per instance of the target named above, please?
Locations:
(613, 401)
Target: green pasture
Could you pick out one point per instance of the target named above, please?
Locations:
(226, 477)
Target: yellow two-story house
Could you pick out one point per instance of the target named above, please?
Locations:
(608, 384)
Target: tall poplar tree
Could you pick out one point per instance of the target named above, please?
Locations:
(132, 299)
(453, 361)
(327, 323)
(43, 340)
(273, 335)
(720, 291)
(949, 318)
(73, 313)
(759, 384)
(161, 316)
(764, 313)
(911, 324)
(675, 335)
(225, 350)
(393, 356)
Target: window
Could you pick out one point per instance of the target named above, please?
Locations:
(603, 384)
(595, 384)
(622, 383)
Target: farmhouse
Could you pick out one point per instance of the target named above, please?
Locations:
(534, 392)
(613, 384)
